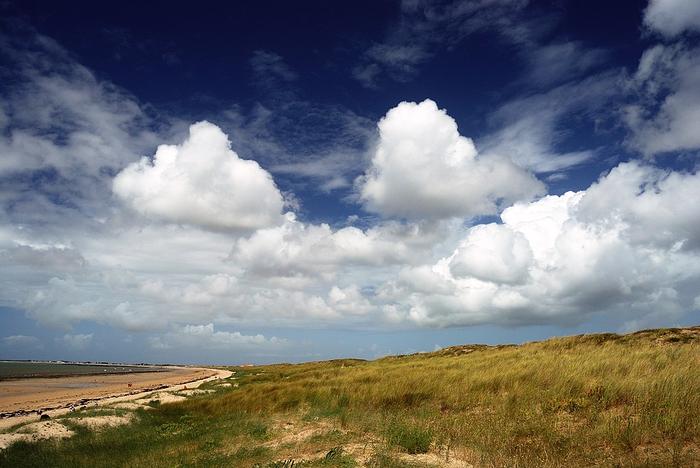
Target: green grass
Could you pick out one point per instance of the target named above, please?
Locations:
(409, 437)
(168, 436)
(630, 400)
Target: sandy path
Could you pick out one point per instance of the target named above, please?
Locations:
(54, 396)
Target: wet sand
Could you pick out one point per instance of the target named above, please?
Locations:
(34, 394)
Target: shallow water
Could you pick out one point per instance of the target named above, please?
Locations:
(24, 369)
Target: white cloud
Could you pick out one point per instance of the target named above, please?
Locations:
(553, 260)
(78, 342)
(61, 302)
(64, 134)
(667, 88)
(628, 246)
(296, 248)
(672, 17)
(424, 169)
(21, 341)
(349, 301)
(491, 252)
(652, 204)
(47, 257)
(202, 182)
(194, 336)
(64, 117)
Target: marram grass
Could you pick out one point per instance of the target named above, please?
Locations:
(609, 400)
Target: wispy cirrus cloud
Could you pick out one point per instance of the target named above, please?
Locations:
(666, 105)
(423, 27)
(268, 67)
(528, 127)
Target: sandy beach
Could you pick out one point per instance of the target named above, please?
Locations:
(52, 393)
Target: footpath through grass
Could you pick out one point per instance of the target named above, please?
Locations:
(631, 400)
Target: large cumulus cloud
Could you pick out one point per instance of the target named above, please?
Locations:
(424, 169)
(628, 245)
(557, 259)
(297, 249)
(202, 182)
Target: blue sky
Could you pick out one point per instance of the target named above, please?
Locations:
(288, 181)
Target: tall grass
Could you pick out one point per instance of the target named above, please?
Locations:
(629, 400)
(577, 400)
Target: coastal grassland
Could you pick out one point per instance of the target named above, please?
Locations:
(613, 400)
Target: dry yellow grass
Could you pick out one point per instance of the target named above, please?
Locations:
(592, 399)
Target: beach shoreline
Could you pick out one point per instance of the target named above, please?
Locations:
(25, 400)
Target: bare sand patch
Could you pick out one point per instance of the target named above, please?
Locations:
(290, 433)
(127, 405)
(293, 439)
(162, 397)
(35, 431)
(99, 422)
(195, 391)
(435, 460)
(361, 452)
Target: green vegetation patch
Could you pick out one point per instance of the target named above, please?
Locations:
(410, 437)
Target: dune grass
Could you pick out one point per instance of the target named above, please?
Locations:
(629, 400)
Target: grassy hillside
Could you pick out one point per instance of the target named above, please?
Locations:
(623, 400)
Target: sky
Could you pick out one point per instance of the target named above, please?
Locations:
(234, 182)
